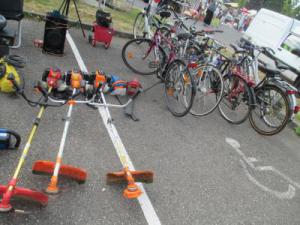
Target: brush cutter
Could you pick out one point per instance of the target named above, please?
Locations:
(57, 168)
(11, 190)
(98, 82)
(128, 174)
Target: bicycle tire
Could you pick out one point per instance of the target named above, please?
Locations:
(245, 95)
(175, 86)
(139, 16)
(202, 75)
(286, 108)
(139, 42)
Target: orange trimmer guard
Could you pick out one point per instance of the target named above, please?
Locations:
(130, 177)
(47, 167)
(20, 192)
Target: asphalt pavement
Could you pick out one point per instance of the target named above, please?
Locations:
(199, 177)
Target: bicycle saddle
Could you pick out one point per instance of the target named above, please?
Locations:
(2, 22)
(268, 70)
(237, 49)
(165, 14)
(184, 36)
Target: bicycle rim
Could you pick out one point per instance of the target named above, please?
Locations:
(179, 89)
(272, 111)
(236, 102)
(209, 90)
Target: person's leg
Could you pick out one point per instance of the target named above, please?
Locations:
(206, 19)
(210, 17)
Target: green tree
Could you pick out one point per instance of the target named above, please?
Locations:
(291, 8)
(275, 5)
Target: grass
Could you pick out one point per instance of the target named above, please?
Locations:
(122, 20)
(215, 22)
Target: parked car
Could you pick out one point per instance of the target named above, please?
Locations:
(279, 32)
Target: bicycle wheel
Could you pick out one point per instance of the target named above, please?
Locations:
(209, 90)
(142, 57)
(139, 26)
(179, 88)
(236, 102)
(272, 111)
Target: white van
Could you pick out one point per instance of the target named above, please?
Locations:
(279, 32)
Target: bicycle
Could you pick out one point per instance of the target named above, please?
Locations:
(264, 103)
(208, 79)
(145, 21)
(171, 71)
(251, 67)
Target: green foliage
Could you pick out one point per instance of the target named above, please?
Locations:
(242, 3)
(288, 7)
(291, 8)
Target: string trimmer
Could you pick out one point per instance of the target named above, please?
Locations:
(57, 168)
(128, 174)
(11, 189)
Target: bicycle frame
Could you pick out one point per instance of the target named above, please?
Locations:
(155, 42)
(288, 88)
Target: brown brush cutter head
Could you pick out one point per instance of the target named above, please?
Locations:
(130, 177)
(47, 168)
(20, 192)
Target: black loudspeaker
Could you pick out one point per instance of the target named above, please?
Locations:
(4, 50)
(55, 33)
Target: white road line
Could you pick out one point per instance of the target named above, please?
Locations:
(144, 201)
(249, 161)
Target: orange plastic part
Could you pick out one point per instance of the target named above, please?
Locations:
(72, 102)
(47, 168)
(200, 73)
(99, 79)
(130, 55)
(186, 79)
(76, 79)
(52, 187)
(170, 91)
(132, 190)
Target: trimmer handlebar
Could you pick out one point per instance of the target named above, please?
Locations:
(41, 88)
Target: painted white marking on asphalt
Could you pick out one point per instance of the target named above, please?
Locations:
(289, 194)
(144, 201)
(249, 161)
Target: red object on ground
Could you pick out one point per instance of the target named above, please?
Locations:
(19, 192)
(47, 167)
(101, 34)
(38, 43)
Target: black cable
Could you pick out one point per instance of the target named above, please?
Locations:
(15, 60)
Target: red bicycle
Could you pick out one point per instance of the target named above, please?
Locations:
(148, 57)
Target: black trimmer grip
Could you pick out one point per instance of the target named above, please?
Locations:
(17, 137)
